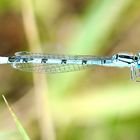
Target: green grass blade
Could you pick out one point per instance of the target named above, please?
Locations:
(8, 135)
(18, 124)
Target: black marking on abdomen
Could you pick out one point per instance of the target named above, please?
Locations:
(12, 59)
(103, 61)
(25, 60)
(44, 60)
(84, 62)
(64, 61)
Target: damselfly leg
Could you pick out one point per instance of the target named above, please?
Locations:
(135, 73)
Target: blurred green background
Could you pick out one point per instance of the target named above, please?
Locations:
(96, 104)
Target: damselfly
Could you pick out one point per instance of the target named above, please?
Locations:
(46, 63)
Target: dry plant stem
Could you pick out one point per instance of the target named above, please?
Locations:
(40, 83)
